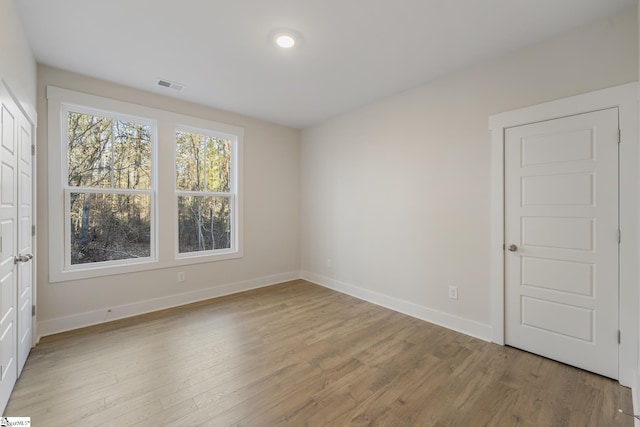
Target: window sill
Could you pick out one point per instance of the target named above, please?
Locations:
(79, 273)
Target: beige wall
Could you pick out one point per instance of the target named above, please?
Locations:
(17, 64)
(397, 193)
(271, 220)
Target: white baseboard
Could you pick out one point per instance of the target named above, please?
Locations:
(458, 324)
(81, 320)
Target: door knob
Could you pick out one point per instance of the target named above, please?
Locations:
(512, 248)
(23, 258)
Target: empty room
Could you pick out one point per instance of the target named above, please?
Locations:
(319, 213)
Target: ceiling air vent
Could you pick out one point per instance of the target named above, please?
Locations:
(170, 85)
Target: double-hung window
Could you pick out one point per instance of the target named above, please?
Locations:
(133, 188)
(109, 191)
(205, 191)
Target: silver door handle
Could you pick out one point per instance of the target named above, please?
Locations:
(512, 248)
(23, 258)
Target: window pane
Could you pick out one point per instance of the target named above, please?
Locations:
(204, 223)
(218, 166)
(106, 227)
(107, 153)
(131, 155)
(203, 163)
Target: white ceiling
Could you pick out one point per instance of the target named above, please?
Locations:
(353, 51)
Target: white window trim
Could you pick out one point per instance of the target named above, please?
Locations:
(164, 240)
(65, 109)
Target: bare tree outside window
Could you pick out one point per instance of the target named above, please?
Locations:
(204, 192)
(109, 188)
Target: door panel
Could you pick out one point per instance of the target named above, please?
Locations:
(561, 213)
(568, 190)
(564, 146)
(25, 245)
(8, 227)
(561, 319)
(561, 276)
(562, 233)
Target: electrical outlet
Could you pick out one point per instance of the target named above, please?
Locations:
(181, 277)
(453, 292)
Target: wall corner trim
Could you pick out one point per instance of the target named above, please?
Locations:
(455, 323)
(635, 397)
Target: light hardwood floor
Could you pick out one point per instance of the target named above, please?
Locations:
(298, 354)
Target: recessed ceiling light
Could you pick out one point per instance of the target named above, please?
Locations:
(285, 40)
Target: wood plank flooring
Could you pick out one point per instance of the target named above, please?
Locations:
(297, 354)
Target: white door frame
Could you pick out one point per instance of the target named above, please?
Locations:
(625, 98)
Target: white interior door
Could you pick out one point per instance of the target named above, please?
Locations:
(25, 241)
(9, 119)
(16, 243)
(561, 235)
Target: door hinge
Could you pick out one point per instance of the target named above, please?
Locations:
(619, 338)
(619, 236)
(33, 230)
(619, 136)
(33, 150)
(33, 310)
